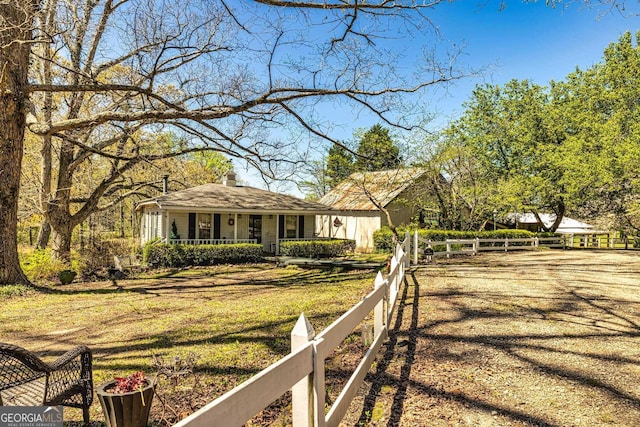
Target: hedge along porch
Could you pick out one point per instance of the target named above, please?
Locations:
(228, 213)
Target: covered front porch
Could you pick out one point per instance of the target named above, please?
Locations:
(219, 228)
(228, 213)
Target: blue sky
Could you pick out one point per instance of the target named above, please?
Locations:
(526, 41)
(520, 41)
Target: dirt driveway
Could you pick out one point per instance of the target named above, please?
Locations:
(547, 338)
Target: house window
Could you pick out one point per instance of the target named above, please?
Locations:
(204, 226)
(291, 226)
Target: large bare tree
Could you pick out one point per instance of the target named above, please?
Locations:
(15, 44)
(108, 78)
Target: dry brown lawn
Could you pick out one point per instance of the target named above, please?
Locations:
(548, 338)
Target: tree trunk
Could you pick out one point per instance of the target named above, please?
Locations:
(61, 219)
(559, 210)
(61, 244)
(15, 47)
(122, 220)
(44, 235)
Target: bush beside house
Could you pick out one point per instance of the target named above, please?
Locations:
(173, 256)
(318, 248)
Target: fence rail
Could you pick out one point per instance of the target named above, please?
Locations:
(303, 369)
(602, 241)
(430, 248)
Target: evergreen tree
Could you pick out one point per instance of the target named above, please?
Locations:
(340, 164)
(377, 151)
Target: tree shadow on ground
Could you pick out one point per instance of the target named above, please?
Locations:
(391, 349)
(569, 348)
(205, 281)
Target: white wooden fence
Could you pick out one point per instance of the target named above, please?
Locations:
(601, 241)
(303, 370)
(450, 247)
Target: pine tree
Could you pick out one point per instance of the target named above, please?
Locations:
(340, 164)
(377, 151)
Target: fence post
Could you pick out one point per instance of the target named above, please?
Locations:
(476, 246)
(401, 262)
(407, 249)
(448, 248)
(393, 284)
(302, 391)
(506, 244)
(536, 242)
(415, 247)
(379, 312)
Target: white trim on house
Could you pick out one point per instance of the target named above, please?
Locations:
(229, 214)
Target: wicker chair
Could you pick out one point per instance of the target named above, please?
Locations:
(25, 380)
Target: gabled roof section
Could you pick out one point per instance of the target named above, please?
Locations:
(357, 192)
(225, 198)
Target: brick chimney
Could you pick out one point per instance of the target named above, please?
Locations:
(165, 185)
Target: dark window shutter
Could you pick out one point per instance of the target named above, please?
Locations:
(301, 226)
(192, 225)
(281, 226)
(216, 226)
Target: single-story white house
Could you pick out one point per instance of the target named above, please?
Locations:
(359, 203)
(228, 213)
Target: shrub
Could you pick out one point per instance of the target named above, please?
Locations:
(317, 248)
(39, 265)
(175, 256)
(66, 276)
(11, 291)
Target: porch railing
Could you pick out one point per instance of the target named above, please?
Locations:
(209, 241)
(303, 239)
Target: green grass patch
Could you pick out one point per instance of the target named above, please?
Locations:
(10, 291)
(370, 257)
(236, 319)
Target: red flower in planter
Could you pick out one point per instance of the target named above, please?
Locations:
(132, 382)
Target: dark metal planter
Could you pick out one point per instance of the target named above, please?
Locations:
(126, 409)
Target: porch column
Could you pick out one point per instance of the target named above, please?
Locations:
(235, 228)
(277, 234)
(167, 233)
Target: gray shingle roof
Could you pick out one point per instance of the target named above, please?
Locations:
(233, 199)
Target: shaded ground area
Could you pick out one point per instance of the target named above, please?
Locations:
(547, 338)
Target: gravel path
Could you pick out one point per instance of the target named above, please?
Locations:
(548, 338)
